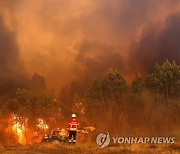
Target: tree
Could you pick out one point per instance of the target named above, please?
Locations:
(165, 78)
(138, 84)
(153, 83)
(105, 96)
(113, 86)
(94, 98)
(78, 104)
(33, 106)
(94, 93)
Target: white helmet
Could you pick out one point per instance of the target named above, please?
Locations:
(73, 115)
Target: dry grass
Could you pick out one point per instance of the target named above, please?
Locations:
(85, 148)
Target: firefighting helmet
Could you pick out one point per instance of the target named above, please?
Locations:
(73, 115)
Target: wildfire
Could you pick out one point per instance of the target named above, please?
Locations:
(23, 134)
(18, 128)
(42, 125)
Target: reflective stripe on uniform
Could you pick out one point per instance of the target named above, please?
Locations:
(73, 129)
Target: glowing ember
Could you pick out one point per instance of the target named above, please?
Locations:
(42, 125)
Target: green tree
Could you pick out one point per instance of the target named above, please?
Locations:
(153, 83)
(94, 93)
(113, 86)
(138, 84)
(94, 99)
(165, 79)
(33, 106)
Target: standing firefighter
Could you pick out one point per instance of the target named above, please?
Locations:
(72, 128)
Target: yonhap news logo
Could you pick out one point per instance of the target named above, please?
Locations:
(103, 140)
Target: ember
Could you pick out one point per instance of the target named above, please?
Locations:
(42, 125)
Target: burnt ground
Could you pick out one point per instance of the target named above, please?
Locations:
(63, 148)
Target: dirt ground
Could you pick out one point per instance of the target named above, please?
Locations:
(65, 148)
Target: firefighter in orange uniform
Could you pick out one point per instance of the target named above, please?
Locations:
(72, 128)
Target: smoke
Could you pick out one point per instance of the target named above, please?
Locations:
(9, 52)
(68, 41)
(156, 47)
(11, 68)
(97, 57)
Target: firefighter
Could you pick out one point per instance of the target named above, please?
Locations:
(72, 128)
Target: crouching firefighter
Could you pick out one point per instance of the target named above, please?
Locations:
(72, 128)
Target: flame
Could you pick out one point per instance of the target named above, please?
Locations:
(18, 128)
(42, 125)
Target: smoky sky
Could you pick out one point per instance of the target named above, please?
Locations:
(154, 47)
(94, 60)
(70, 40)
(11, 69)
(8, 49)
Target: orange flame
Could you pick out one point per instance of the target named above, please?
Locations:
(22, 134)
(18, 128)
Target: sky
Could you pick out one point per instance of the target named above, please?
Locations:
(71, 40)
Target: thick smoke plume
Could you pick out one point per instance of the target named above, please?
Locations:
(70, 40)
(11, 69)
(156, 47)
(8, 49)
